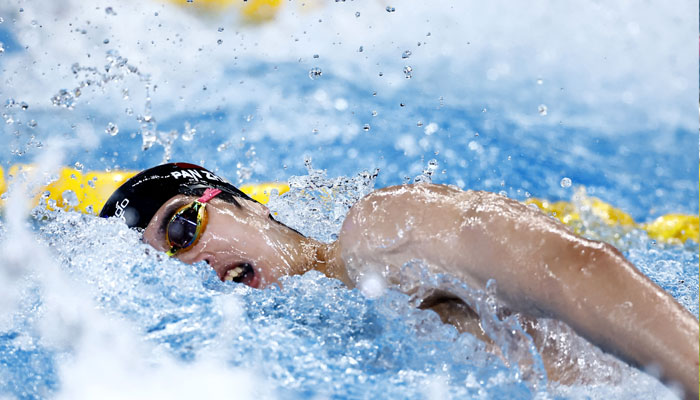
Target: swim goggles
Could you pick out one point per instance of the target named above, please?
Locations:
(187, 223)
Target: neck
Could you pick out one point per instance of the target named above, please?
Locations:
(325, 258)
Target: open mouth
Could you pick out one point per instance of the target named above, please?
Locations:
(241, 273)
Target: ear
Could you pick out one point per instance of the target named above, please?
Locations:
(256, 207)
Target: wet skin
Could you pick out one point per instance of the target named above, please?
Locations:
(542, 269)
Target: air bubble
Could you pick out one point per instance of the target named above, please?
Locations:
(106, 41)
(219, 41)
(540, 81)
(110, 11)
(406, 54)
(357, 14)
(112, 129)
(565, 182)
(374, 113)
(407, 70)
(2, 48)
(366, 127)
(390, 9)
(542, 110)
(221, 29)
(315, 73)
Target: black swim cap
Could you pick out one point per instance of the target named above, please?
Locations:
(140, 197)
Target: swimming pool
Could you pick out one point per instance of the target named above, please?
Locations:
(517, 99)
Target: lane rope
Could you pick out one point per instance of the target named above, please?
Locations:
(88, 191)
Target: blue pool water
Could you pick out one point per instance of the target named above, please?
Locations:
(506, 98)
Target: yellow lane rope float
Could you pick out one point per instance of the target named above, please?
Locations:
(251, 11)
(90, 190)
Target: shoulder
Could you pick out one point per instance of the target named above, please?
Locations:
(422, 196)
(384, 209)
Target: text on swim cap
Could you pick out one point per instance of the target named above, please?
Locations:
(121, 206)
(195, 174)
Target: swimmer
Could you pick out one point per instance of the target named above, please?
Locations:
(541, 268)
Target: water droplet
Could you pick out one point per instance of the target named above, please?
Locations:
(70, 198)
(106, 41)
(315, 73)
(219, 41)
(406, 54)
(366, 127)
(542, 109)
(78, 166)
(407, 70)
(540, 81)
(315, 55)
(23, 105)
(112, 129)
(361, 49)
(565, 182)
(357, 14)
(110, 11)
(32, 123)
(390, 9)
(2, 20)
(223, 146)
(189, 132)
(2, 48)
(419, 123)
(221, 29)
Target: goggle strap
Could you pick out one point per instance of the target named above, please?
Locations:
(209, 194)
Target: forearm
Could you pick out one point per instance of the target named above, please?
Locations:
(622, 311)
(547, 271)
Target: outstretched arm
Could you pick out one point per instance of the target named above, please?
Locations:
(543, 269)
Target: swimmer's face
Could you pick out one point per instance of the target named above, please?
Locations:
(242, 244)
